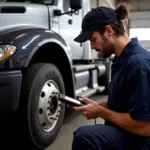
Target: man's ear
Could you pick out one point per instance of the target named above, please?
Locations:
(109, 30)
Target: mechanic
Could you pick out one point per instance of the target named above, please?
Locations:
(127, 111)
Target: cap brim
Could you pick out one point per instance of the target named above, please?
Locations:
(82, 37)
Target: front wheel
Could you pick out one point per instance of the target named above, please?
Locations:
(40, 111)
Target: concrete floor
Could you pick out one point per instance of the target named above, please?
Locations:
(72, 121)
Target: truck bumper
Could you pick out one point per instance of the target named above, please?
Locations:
(10, 85)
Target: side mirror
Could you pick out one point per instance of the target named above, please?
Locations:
(75, 4)
(57, 12)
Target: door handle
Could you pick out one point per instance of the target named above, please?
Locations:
(70, 21)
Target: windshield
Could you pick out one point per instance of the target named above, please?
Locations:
(50, 2)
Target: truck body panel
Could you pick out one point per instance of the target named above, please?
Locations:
(28, 15)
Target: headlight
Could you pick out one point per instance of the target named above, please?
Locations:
(6, 51)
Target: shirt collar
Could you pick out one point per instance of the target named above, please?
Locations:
(127, 51)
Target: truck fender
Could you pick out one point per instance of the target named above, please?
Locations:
(28, 41)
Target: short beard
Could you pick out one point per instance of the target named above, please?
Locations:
(108, 51)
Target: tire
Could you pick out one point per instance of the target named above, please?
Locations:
(106, 78)
(40, 82)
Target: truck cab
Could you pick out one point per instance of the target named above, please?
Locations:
(39, 59)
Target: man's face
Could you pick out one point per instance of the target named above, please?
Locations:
(103, 44)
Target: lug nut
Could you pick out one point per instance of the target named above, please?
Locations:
(59, 110)
(60, 104)
(53, 118)
(57, 115)
(49, 107)
(49, 114)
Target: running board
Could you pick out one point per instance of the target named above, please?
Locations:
(83, 67)
(90, 92)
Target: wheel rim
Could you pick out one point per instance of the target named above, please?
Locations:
(49, 106)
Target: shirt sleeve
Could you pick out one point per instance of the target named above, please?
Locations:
(139, 89)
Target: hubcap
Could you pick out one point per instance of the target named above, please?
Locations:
(49, 106)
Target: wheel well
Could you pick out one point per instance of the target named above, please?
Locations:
(53, 53)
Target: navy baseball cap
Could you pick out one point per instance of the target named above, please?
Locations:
(94, 19)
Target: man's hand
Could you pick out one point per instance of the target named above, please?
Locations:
(91, 110)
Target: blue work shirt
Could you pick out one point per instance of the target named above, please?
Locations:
(130, 82)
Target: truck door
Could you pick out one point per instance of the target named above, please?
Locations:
(54, 21)
(70, 27)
